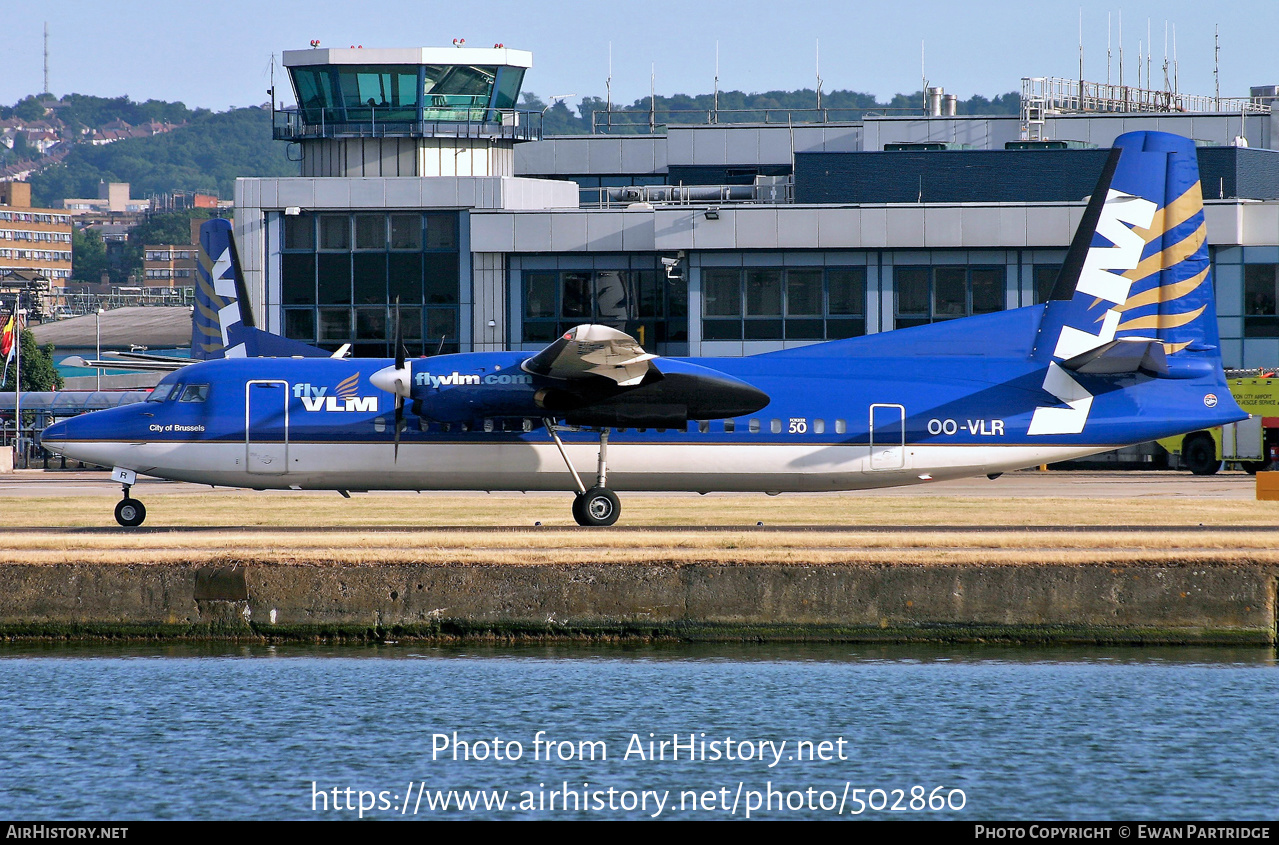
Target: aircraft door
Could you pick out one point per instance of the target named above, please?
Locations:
(266, 427)
(887, 437)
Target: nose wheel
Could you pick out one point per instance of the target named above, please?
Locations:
(598, 506)
(130, 512)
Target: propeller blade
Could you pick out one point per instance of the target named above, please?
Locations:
(399, 337)
(399, 367)
(399, 421)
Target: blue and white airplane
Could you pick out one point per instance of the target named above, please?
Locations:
(1125, 351)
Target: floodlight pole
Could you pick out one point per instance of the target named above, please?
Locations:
(97, 315)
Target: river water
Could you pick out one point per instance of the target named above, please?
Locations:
(805, 731)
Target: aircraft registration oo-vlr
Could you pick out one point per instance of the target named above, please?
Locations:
(1124, 351)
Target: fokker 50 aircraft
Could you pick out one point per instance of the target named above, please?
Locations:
(1125, 351)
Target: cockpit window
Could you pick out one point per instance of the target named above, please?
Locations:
(160, 393)
(195, 393)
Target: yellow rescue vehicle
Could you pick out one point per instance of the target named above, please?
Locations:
(1252, 444)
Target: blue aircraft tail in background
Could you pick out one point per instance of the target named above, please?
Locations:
(222, 323)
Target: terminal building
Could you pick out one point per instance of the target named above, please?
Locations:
(420, 182)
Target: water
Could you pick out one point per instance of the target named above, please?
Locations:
(111, 732)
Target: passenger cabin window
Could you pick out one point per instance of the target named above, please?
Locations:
(754, 426)
(730, 426)
(775, 426)
(840, 427)
(819, 426)
(160, 393)
(195, 393)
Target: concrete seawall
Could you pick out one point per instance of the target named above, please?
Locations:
(1129, 603)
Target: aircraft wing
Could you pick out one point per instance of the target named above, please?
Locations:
(592, 350)
(131, 361)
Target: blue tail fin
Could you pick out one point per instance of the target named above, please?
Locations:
(222, 322)
(1136, 291)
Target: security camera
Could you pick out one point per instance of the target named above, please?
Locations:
(670, 262)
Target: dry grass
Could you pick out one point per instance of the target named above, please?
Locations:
(382, 529)
(301, 510)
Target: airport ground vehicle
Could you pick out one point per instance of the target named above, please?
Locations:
(1253, 443)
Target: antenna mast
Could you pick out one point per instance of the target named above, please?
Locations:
(46, 57)
(818, 56)
(1216, 64)
(1081, 57)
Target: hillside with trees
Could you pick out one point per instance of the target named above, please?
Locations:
(206, 155)
(66, 146)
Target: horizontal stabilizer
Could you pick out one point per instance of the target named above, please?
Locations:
(1121, 356)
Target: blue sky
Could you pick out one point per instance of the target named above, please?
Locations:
(218, 54)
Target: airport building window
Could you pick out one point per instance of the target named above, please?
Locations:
(341, 275)
(1045, 278)
(641, 302)
(783, 304)
(930, 294)
(1261, 300)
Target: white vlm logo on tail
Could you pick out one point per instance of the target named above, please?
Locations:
(1095, 279)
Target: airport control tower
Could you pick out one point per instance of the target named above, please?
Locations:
(396, 149)
(427, 111)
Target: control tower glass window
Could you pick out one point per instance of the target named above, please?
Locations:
(457, 92)
(378, 93)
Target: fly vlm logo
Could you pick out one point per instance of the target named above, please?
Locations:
(428, 380)
(345, 396)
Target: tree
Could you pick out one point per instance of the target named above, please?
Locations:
(38, 372)
(88, 255)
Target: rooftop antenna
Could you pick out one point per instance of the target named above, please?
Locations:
(923, 76)
(1167, 83)
(1081, 58)
(652, 98)
(1150, 48)
(1121, 50)
(1216, 64)
(46, 57)
(608, 83)
(1175, 89)
(818, 55)
(715, 104)
(1108, 49)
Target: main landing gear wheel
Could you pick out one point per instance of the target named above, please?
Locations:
(1200, 454)
(596, 507)
(130, 512)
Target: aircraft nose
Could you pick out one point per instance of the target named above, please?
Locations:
(393, 380)
(55, 434)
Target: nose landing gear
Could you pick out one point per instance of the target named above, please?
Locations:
(129, 512)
